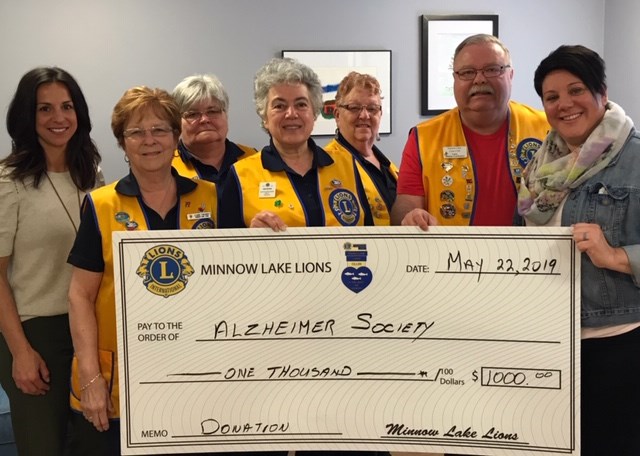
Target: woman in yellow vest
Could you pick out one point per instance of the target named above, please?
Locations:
(358, 112)
(146, 123)
(292, 181)
(204, 151)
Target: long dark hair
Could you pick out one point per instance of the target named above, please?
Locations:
(27, 155)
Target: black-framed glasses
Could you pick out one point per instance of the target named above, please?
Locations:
(356, 109)
(491, 71)
(138, 134)
(210, 113)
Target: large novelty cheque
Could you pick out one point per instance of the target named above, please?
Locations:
(452, 340)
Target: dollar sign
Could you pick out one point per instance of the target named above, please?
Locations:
(475, 375)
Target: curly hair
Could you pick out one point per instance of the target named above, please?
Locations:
(285, 71)
(357, 80)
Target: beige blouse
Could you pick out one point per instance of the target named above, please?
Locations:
(37, 233)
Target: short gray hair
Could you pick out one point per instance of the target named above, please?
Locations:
(482, 38)
(285, 71)
(200, 87)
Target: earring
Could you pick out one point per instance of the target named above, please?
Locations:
(126, 158)
(337, 133)
(377, 136)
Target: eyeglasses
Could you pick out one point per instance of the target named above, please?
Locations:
(491, 71)
(138, 134)
(194, 116)
(356, 109)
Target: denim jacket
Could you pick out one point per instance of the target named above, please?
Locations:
(611, 199)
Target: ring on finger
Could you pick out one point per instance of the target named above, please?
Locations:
(585, 236)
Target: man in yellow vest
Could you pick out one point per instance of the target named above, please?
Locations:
(464, 166)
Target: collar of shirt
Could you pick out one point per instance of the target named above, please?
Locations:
(384, 161)
(232, 154)
(272, 161)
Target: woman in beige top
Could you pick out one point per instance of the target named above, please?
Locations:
(52, 163)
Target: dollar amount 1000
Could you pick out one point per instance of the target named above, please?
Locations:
(521, 378)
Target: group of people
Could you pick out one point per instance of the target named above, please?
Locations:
(488, 161)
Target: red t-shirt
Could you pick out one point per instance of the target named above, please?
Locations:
(495, 192)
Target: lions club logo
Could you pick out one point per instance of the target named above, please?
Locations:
(526, 149)
(344, 206)
(165, 270)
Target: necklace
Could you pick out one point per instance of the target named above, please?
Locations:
(75, 228)
(159, 206)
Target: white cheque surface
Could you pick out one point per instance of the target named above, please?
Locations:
(455, 340)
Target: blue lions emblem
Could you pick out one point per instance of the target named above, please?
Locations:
(344, 206)
(525, 150)
(165, 270)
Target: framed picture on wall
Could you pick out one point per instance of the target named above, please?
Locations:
(440, 35)
(332, 66)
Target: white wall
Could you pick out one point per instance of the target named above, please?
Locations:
(112, 45)
(621, 48)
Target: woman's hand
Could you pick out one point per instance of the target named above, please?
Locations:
(96, 403)
(590, 239)
(30, 372)
(267, 219)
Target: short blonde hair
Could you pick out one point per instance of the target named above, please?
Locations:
(357, 80)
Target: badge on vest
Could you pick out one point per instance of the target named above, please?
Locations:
(124, 219)
(448, 210)
(198, 215)
(267, 190)
(447, 196)
(344, 206)
(525, 150)
(204, 224)
(455, 152)
(203, 218)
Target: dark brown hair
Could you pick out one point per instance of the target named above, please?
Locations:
(26, 159)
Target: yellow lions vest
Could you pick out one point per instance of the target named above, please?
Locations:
(188, 170)
(117, 212)
(379, 209)
(264, 190)
(443, 147)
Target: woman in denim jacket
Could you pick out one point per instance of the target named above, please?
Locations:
(587, 175)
